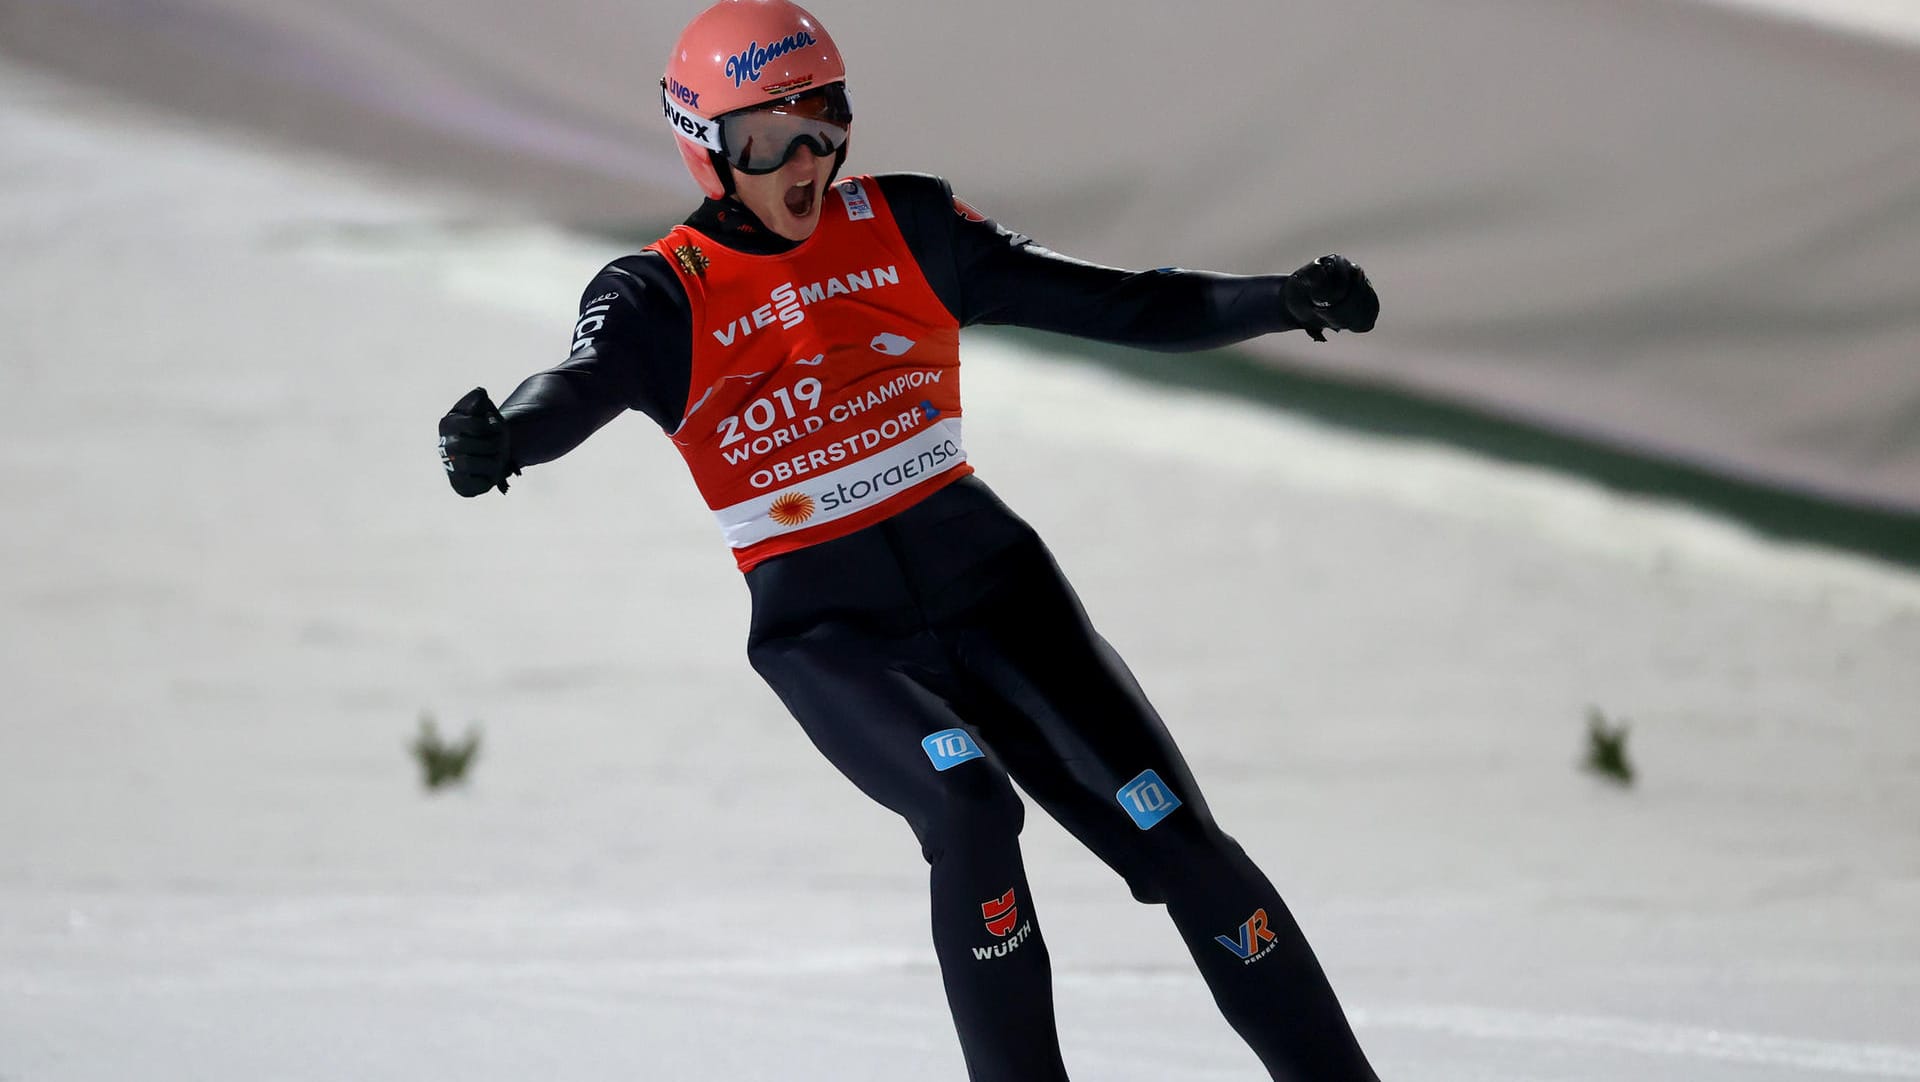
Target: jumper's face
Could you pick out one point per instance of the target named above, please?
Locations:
(788, 199)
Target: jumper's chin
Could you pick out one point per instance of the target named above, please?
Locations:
(789, 202)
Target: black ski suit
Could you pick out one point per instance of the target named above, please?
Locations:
(938, 653)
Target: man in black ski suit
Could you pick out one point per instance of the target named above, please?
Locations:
(797, 338)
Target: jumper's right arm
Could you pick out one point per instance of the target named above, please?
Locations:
(631, 349)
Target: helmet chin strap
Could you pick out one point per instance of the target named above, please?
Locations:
(725, 171)
(839, 160)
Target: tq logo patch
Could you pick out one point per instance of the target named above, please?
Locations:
(949, 748)
(1147, 799)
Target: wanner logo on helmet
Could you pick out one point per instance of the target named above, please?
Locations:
(746, 65)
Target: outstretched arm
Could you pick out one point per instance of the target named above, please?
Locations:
(987, 274)
(630, 350)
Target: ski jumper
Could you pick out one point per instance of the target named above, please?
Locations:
(917, 629)
(826, 385)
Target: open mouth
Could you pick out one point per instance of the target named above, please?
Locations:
(801, 198)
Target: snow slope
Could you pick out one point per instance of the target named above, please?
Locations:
(1638, 223)
(233, 575)
(1888, 20)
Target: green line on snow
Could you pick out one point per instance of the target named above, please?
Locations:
(1368, 406)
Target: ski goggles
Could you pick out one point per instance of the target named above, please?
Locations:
(761, 139)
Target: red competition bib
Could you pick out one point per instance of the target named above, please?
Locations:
(826, 382)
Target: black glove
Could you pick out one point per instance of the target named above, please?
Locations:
(474, 447)
(1331, 294)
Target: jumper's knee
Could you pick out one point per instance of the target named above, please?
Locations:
(969, 817)
(1195, 850)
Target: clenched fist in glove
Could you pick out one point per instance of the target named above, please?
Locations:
(1331, 294)
(474, 447)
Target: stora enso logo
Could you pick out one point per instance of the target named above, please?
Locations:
(745, 66)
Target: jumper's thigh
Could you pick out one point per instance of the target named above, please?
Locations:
(881, 709)
(1076, 731)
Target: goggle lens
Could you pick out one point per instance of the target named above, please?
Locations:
(761, 139)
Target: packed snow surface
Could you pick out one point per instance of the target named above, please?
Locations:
(1888, 20)
(233, 577)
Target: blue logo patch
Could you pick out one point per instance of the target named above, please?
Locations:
(927, 407)
(1147, 799)
(949, 748)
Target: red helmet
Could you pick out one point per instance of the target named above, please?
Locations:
(736, 55)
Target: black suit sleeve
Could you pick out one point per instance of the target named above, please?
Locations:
(987, 274)
(631, 350)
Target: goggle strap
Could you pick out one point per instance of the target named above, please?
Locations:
(692, 127)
